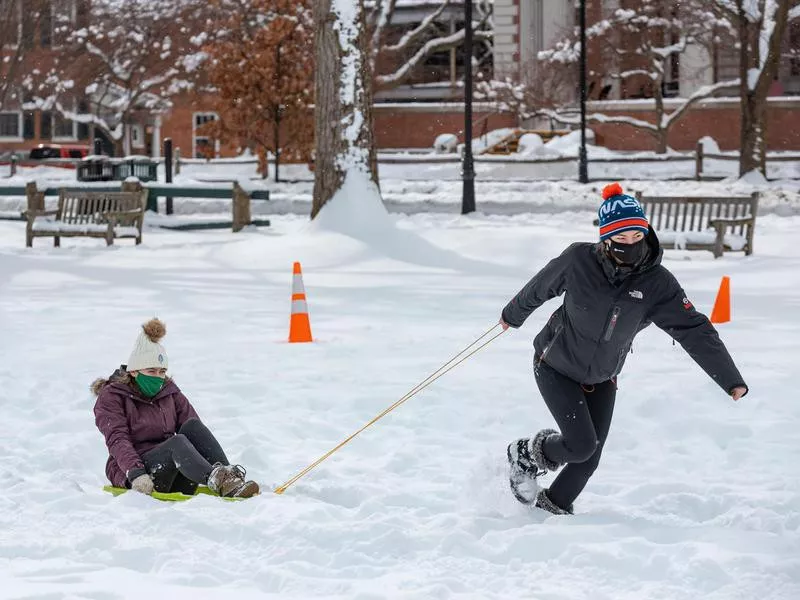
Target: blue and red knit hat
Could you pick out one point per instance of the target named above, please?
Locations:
(620, 212)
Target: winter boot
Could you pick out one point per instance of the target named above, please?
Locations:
(229, 481)
(543, 501)
(527, 462)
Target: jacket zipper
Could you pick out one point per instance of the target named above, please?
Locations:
(612, 323)
(550, 345)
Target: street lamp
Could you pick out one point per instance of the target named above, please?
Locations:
(583, 167)
(467, 163)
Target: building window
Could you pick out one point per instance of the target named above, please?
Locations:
(137, 136)
(58, 21)
(83, 128)
(10, 18)
(45, 125)
(63, 128)
(201, 141)
(29, 125)
(10, 124)
(29, 18)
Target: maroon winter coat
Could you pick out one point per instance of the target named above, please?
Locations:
(133, 424)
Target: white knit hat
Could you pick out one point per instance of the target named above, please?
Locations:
(147, 352)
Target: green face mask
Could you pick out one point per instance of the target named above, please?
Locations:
(149, 384)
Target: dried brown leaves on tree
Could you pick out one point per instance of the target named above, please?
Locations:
(262, 73)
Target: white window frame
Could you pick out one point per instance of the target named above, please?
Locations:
(195, 137)
(20, 125)
(137, 136)
(62, 138)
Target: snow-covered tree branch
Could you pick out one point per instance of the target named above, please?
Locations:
(420, 42)
(130, 56)
(639, 46)
(434, 45)
(760, 26)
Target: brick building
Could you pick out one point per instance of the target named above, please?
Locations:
(525, 27)
(428, 102)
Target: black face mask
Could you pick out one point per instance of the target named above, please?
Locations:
(628, 254)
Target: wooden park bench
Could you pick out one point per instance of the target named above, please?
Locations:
(84, 213)
(703, 223)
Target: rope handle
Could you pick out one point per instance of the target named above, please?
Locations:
(445, 368)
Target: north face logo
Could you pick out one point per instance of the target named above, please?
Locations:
(636, 294)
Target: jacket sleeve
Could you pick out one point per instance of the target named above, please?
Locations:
(676, 315)
(546, 284)
(184, 408)
(109, 416)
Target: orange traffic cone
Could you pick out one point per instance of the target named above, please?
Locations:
(299, 326)
(722, 305)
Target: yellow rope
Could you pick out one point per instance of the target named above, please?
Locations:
(417, 388)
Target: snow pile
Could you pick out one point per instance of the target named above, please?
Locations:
(710, 145)
(531, 144)
(355, 210)
(446, 143)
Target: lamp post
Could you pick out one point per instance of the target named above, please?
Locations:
(583, 167)
(467, 164)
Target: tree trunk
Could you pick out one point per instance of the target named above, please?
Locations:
(343, 100)
(276, 134)
(753, 152)
(658, 95)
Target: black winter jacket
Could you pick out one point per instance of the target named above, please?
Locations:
(605, 305)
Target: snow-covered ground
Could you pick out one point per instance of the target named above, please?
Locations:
(696, 497)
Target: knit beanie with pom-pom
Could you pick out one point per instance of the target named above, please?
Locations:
(147, 352)
(620, 212)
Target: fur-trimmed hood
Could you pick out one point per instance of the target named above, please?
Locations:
(119, 376)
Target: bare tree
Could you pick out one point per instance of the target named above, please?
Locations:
(343, 101)
(638, 48)
(133, 55)
(542, 86)
(760, 27)
(16, 41)
(409, 52)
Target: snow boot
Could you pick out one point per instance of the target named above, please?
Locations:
(527, 462)
(229, 481)
(543, 501)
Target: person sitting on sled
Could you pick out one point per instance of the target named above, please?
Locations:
(612, 290)
(154, 437)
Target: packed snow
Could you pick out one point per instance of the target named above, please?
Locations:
(696, 496)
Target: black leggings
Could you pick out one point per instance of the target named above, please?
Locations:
(184, 460)
(583, 414)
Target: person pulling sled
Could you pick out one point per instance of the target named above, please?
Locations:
(612, 290)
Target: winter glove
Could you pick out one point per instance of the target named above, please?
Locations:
(143, 484)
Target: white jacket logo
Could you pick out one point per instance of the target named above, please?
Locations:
(636, 294)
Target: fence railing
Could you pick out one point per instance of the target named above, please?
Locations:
(121, 168)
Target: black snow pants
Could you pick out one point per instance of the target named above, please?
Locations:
(185, 460)
(583, 414)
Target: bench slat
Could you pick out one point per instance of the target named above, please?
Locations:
(681, 216)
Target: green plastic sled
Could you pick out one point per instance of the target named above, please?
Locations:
(169, 497)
